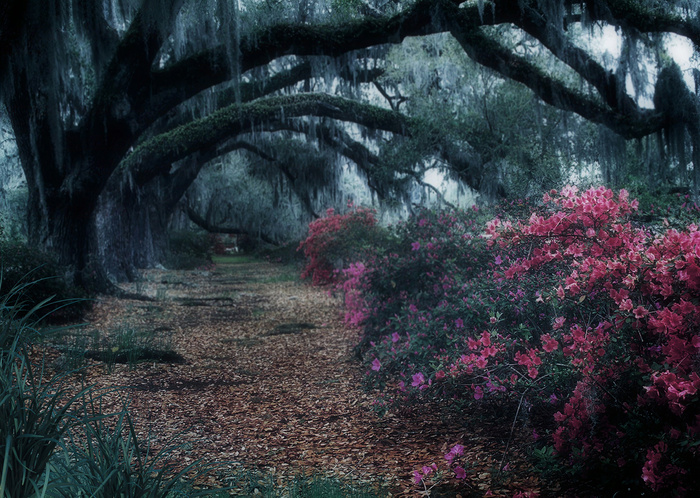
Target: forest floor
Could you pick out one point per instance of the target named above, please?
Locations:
(268, 380)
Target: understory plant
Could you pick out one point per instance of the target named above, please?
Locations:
(104, 457)
(35, 408)
(580, 322)
(336, 240)
(52, 440)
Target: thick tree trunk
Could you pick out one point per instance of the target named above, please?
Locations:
(131, 232)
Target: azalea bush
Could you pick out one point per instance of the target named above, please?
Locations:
(632, 337)
(337, 240)
(574, 318)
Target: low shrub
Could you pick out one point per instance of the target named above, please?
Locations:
(336, 240)
(188, 250)
(31, 277)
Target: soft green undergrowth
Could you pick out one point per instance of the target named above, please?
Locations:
(265, 485)
(125, 344)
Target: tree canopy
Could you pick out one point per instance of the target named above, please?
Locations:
(117, 106)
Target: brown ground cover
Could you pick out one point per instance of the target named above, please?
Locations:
(268, 380)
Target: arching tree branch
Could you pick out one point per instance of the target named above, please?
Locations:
(149, 159)
(198, 220)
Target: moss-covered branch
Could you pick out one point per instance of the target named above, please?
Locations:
(150, 157)
(179, 82)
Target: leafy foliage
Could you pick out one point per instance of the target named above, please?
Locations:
(336, 239)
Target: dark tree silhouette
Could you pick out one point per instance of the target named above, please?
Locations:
(117, 105)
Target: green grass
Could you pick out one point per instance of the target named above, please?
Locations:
(125, 344)
(233, 260)
(257, 483)
(290, 275)
(288, 272)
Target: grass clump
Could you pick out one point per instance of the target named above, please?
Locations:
(54, 442)
(106, 458)
(35, 409)
(124, 345)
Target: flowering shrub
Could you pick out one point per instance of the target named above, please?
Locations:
(633, 339)
(335, 238)
(432, 255)
(574, 316)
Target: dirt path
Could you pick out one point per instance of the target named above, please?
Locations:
(269, 381)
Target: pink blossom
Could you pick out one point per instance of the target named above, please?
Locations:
(395, 337)
(417, 477)
(640, 312)
(415, 246)
(418, 379)
(626, 305)
(548, 343)
(460, 473)
(376, 365)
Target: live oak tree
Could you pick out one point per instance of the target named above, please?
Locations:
(116, 106)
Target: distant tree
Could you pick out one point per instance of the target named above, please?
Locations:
(117, 105)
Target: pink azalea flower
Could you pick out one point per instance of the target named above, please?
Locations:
(417, 477)
(376, 365)
(640, 312)
(395, 337)
(549, 344)
(460, 473)
(418, 379)
(415, 246)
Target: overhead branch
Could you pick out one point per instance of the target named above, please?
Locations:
(109, 127)
(198, 220)
(534, 22)
(184, 79)
(438, 193)
(642, 18)
(149, 159)
(249, 91)
(488, 52)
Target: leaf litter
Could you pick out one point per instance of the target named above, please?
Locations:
(270, 382)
